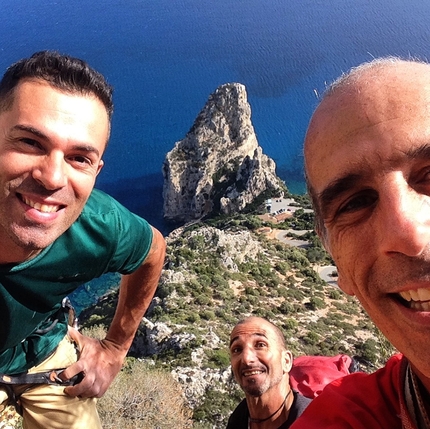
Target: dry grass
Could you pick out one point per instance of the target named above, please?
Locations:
(143, 398)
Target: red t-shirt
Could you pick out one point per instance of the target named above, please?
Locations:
(361, 401)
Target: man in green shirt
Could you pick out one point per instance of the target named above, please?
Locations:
(57, 232)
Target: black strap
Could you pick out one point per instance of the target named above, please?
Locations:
(12, 399)
(48, 377)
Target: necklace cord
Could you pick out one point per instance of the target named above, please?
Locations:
(273, 414)
(419, 399)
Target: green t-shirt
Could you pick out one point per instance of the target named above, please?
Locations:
(105, 238)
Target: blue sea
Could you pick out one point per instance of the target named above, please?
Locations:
(165, 57)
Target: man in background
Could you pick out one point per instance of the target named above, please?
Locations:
(261, 364)
(367, 162)
(56, 233)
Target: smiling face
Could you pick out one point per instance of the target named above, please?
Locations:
(51, 145)
(258, 360)
(367, 155)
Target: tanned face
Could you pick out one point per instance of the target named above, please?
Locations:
(367, 156)
(51, 145)
(258, 361)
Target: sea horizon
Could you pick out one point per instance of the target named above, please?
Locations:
(165, 58)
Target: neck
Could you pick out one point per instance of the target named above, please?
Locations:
(264, 414)
(18, 257)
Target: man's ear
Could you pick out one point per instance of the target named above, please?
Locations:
(100, 166)
(287, 361)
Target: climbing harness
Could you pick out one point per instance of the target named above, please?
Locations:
(48, 377)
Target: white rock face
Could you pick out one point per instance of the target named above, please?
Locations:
(195, 381)
(219, 165)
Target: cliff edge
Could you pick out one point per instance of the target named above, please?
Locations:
(219, 166)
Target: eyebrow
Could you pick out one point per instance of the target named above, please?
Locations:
(345, 183)
(337, 188)
(256, 334)
(420, 152)
(29, 129)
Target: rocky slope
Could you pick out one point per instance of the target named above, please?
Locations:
(218, 167)
(221, 271)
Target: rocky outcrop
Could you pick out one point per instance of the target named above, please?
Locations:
(153, 339)
(219, 166)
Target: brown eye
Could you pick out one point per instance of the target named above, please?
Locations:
(30, 144)
(80, 160)
(358, 202)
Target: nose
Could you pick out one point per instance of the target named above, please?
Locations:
(248, 355)
(50, 171)
(405, 224)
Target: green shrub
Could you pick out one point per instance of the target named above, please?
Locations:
(335, 294)
(218, 358)
(208, 315)
(217, 407)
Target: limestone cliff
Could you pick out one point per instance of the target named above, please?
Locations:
(218, 166)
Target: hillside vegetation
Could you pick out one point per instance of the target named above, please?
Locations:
(216, 273)
(222, 270)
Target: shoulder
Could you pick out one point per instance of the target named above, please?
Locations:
(108, 231)
(358, 401)
(300, 403)
(297, 408)
(103, 211)
(100, 203)
(239, 417)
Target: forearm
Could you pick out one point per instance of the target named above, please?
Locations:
(100, 360)
(135, 295)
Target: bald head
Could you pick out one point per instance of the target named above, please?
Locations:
(367, 160)
(259, 359)
(383, 91)
(264, 325)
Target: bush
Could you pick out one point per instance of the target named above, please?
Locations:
(218, 358)
(282, 267)
(335, 294)
(215, 408)
(144, 398)
(208, 315)
(315, 303)
(193, 318)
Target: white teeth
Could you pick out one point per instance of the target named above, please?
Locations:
(406, 295)
(414, 295)
(248, 373)
(418, 299)
(44, 208)
(423, 294)
(421, 306)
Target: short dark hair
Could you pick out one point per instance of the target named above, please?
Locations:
(63, 72)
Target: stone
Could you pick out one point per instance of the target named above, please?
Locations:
(219, 166)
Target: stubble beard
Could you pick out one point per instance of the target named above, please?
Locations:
(257, 390)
